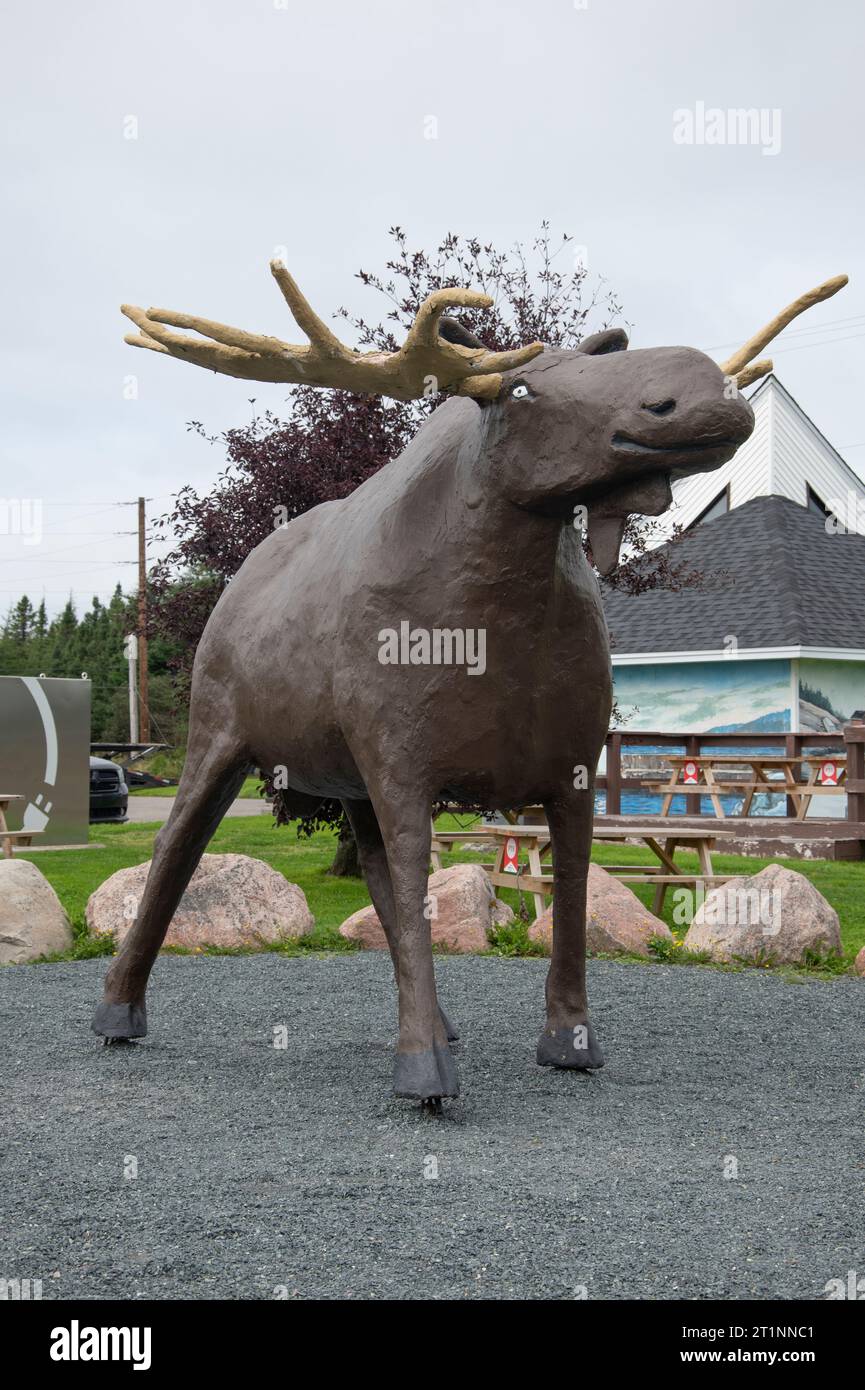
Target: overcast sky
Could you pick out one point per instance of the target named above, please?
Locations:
(305, 126)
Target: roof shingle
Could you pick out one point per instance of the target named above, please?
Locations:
(774, 577)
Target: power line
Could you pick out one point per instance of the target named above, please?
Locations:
(91, 564)
(101, 503)
(822, 327)
(797, 332)
(799, 347)
(84, 545)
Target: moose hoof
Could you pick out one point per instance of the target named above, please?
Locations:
(114, 1022)
(426, 1075)
(577, 1048)
(449, 1027)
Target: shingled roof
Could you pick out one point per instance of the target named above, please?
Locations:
(773, 575)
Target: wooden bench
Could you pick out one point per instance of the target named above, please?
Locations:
(663, 843)
(757, 780)
(705, 783)
(535, 841)
(533, 838)
(21, 838)
(443, 842)
(10, 838)
(815, 786)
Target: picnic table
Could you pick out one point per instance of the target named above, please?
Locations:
(827, 776)
(508, 842)
(695, 773)
(511, 841)
(444, 840)
(9, 837)
(663, 843)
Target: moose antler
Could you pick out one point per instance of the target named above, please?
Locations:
(737, 364)
(424, 362)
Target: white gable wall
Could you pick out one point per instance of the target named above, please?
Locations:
(785, 454)
(800, 456)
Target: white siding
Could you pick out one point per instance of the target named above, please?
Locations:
(750, 467)
(784, 455)
(802, 458)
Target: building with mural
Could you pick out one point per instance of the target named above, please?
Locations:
(771, 636)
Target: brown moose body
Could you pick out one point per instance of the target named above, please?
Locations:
(321, 657)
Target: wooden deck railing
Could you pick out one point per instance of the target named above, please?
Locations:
(851, 742)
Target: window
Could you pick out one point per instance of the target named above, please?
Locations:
(717, 507)
(816, 504)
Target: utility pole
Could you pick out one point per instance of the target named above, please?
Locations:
(143, 695)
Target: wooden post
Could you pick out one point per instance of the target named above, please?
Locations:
(854, 742)
(692, 800)
(614, 774)
(143, 693)
(792, 748)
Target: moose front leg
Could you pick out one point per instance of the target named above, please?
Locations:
(568, 1039)
(424, 1067)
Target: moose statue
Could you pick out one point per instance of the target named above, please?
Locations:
(470, 531)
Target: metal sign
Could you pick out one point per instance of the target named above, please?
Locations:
(45, 757)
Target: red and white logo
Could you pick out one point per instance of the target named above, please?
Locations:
(511, 857)
(829, 774)
(690, 773)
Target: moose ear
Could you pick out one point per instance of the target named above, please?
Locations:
(611, 340)
(455, 332)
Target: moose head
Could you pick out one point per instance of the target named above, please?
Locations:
(607, 429)
(597, 426)
(469, 530)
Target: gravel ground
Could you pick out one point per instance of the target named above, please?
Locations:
(267, 1172)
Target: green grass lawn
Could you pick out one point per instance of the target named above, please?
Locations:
(249, 789)
(75, 874)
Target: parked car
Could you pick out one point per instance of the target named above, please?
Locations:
(109, 794)
(135, 779)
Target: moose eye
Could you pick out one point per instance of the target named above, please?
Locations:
(520, 392)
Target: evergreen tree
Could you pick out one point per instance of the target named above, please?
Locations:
(30, 645)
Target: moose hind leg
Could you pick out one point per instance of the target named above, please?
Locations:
(207, 788)
(568, 1039)
(373, 859)
(424, 1067)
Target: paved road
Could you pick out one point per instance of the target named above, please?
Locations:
(144, 809)
(294, 1170)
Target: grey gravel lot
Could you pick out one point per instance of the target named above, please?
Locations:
(267, 1172)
